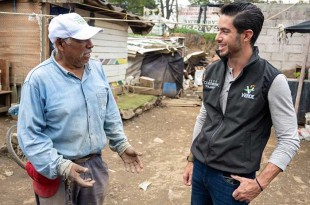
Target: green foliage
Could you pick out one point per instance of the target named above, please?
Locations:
(185, 30)
(199, 2)
(134, 6)
(297, 74)
(209, 37)
(205, 2)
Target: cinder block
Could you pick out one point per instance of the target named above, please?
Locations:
(147, 82)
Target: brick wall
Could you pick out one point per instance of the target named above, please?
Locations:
(286, 54)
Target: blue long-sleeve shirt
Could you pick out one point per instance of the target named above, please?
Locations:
(62, 117)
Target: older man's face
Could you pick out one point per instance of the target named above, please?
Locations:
(77, 52)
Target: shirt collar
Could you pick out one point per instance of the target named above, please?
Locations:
(63, 70)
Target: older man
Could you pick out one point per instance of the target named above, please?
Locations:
(67, 115)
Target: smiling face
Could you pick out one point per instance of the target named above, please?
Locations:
(76, 53)
(228, 39)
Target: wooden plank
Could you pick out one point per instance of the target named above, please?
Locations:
(180, 102)
(114, 32)
(115, 78)
(110, 37)
(83, 13)
(111, 24)
(28, 7)
(5, 92)
(108, 43)
(302, 76)
(14, 51)
(5, 74)
(4, 108)
(108, 55)
(62, 1)
(114, 72)
(114, 67)
(5, 98)
(100, 49)
(144, 90)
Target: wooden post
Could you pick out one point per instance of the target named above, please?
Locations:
(302, 76)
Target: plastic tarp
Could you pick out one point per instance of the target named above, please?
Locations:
(164, 68)
(303, 27)
(304, 105)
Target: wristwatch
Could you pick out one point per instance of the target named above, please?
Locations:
(190, 158)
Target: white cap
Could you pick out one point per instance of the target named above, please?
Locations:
(71, 25)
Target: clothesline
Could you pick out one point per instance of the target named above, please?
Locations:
(39, 16)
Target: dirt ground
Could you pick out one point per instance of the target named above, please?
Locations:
(163, 135)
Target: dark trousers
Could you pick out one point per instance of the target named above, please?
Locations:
(213, 187)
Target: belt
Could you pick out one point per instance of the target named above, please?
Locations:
(250, 175)
(86, 158)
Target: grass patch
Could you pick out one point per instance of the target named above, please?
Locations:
(132, 101)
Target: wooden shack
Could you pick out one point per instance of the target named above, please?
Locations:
(24, 34)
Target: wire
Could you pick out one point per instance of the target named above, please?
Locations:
(124, 20)
(281, 11)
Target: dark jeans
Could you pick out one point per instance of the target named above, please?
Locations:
(213, 187)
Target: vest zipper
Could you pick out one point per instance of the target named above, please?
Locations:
(209, 145)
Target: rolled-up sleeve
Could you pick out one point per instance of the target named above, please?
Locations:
(113, 126)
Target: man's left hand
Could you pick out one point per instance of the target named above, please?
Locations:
(247, 190)
(132, 160)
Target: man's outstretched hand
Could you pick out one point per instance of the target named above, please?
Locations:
(132, 160)
(74, 176)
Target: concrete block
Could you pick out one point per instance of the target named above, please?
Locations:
(295, 57)
(272, 31)
(279, 56)
(290, 64)
(273, 48)
(265, 55)
(265, 39)
(147, 82)
(276, 64)
(295, 39)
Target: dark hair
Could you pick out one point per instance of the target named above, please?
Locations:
(247, 16)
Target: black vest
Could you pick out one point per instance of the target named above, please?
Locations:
(234, 141)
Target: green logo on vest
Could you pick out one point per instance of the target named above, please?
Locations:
(248, 90)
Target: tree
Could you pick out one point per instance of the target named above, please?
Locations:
(134, 6)
(167, 7)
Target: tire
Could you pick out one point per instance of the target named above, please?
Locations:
(13, 147)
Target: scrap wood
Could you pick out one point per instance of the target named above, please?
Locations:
(144, 90)
(180, 102)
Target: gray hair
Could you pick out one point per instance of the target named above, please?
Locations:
(67, 40)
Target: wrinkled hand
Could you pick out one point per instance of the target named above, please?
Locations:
(188, 173)
(74, 176)
(247, 190)
(132, 160)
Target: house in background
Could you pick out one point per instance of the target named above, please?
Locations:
(24, 34)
